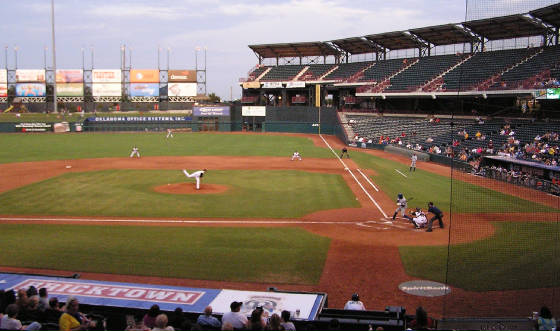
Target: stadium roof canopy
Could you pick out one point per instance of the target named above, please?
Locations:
(356, 45)
(506, 27)
(316, 48)
(550, 14)
(394, 40)
(444, 34)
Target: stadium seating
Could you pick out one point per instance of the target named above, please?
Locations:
(256, 73)
(383, 69)
(283, 73)
(421, 72)
(347, 70)
(315, 71)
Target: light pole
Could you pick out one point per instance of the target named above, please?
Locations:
(168, 51)
(45, 57)
(130, 58)
(83, 59)
(158, 50)
(53, 55)
(6, 57)
(92, 62)
(15, 55)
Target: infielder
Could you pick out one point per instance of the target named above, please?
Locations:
(413, 159)
(197, 175)
(344, 151)
(418, 218)
(401, 206)
(169, 133)
(296, 156)
(135, 151)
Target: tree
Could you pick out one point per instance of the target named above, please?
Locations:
(212, 97)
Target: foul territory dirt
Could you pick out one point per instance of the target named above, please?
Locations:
(363, 256)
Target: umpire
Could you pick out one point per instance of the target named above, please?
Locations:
(437, 215)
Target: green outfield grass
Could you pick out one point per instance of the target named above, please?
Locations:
(521, 255)
(277, 255)
(129, 193)
(39, 147)
(424, 186)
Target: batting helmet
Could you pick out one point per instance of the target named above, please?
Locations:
(400, 195)
(355, 297)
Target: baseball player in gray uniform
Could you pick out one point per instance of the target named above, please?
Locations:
(135, 151)
(196, 175)
(413, 159)
(401, 206)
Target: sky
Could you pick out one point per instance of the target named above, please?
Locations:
(224, 28)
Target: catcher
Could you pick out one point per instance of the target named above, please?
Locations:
(417, 218)
(401, 206)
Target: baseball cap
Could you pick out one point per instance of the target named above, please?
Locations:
(236, 304)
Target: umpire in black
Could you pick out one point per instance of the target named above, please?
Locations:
(437, 215)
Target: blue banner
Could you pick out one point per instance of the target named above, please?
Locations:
(211, 111)
(144, 89)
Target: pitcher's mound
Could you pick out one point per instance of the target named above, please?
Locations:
(190, 188)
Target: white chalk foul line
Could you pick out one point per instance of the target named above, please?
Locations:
(353, 176)
(368, 180)
(99, 220)
(401, 173)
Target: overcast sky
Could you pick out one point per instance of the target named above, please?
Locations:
(223, 27)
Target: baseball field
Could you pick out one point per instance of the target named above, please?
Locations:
(77, 203)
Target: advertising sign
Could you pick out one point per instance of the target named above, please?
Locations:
(182, 76)
(144, 89)
(30, 90)
(70, 90)
(295, 84)
(181, 89)
(272, 85)
(553, 93)
(211, 111)
(253, 111)
(3, 76)
(30, 76)
(106, 76)
(33, 127)
(3, 90)
(69, 76)
(144, 76)
(255, 84)
(106, 90)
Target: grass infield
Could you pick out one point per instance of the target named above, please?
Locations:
(276, 255)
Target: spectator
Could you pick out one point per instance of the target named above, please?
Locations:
(22, 300)
(334, 324)
(207, 320)
(10, 322)
(161, 323)
(354, 303)
(256, 322)
(236, 319)
(286, 323)
(227, 327)
(53, 312)
(72, 319)
(43, 299)
(32, 312)
(275, 323)
(545, 321)
(177, 319)
(150, 317)
(421, 321)
(136, 323)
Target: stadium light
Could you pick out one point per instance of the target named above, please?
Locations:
(15, 55)
(6, 57)
(158, 51)
(168, 51)
(92, 63)
(83, 58)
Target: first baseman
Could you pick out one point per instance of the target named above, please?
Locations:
(401, 206)
(135, 151)
(296, 156)
(197, 175)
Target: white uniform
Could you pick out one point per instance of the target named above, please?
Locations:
(296, 156)
(196, 175)
(135, 151)
(420, 219)
(354, 305)
(413, 159)
(401, 206)
(169, 133)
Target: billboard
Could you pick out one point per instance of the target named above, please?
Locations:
(31, 90)
(182, 76)
(553, 93)
(295, 84)
(69, 76)
(181, 89)
(106, 89)
(254, 84)
(144, 76)
(272, 85)
(253, 111)
(30, 75)
(211, 111)
(144, 89)
(106, 76)
(70, 90)
(3, 76)
(3, 90)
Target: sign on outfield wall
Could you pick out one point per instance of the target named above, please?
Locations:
(33, 127)
(3, 76)
(272, 85)
(211, 111)
(106, 90)
(182, 76)
(30, 90)
(3, 90)
(144, 76)
(106, 76)
(70, 90)
(144, 89)
(295, 84)
(253, 111)
(181, 89)
(254, 84)
(69, 76)
(30, 76)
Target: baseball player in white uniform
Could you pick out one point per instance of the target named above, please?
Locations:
(196, 175)
(296, 156)
(418, 218)
(401, 206)
(413, 159)
(169, 133)
(135, 151)
(354, 303)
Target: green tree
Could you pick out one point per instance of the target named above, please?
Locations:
(212, 97)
